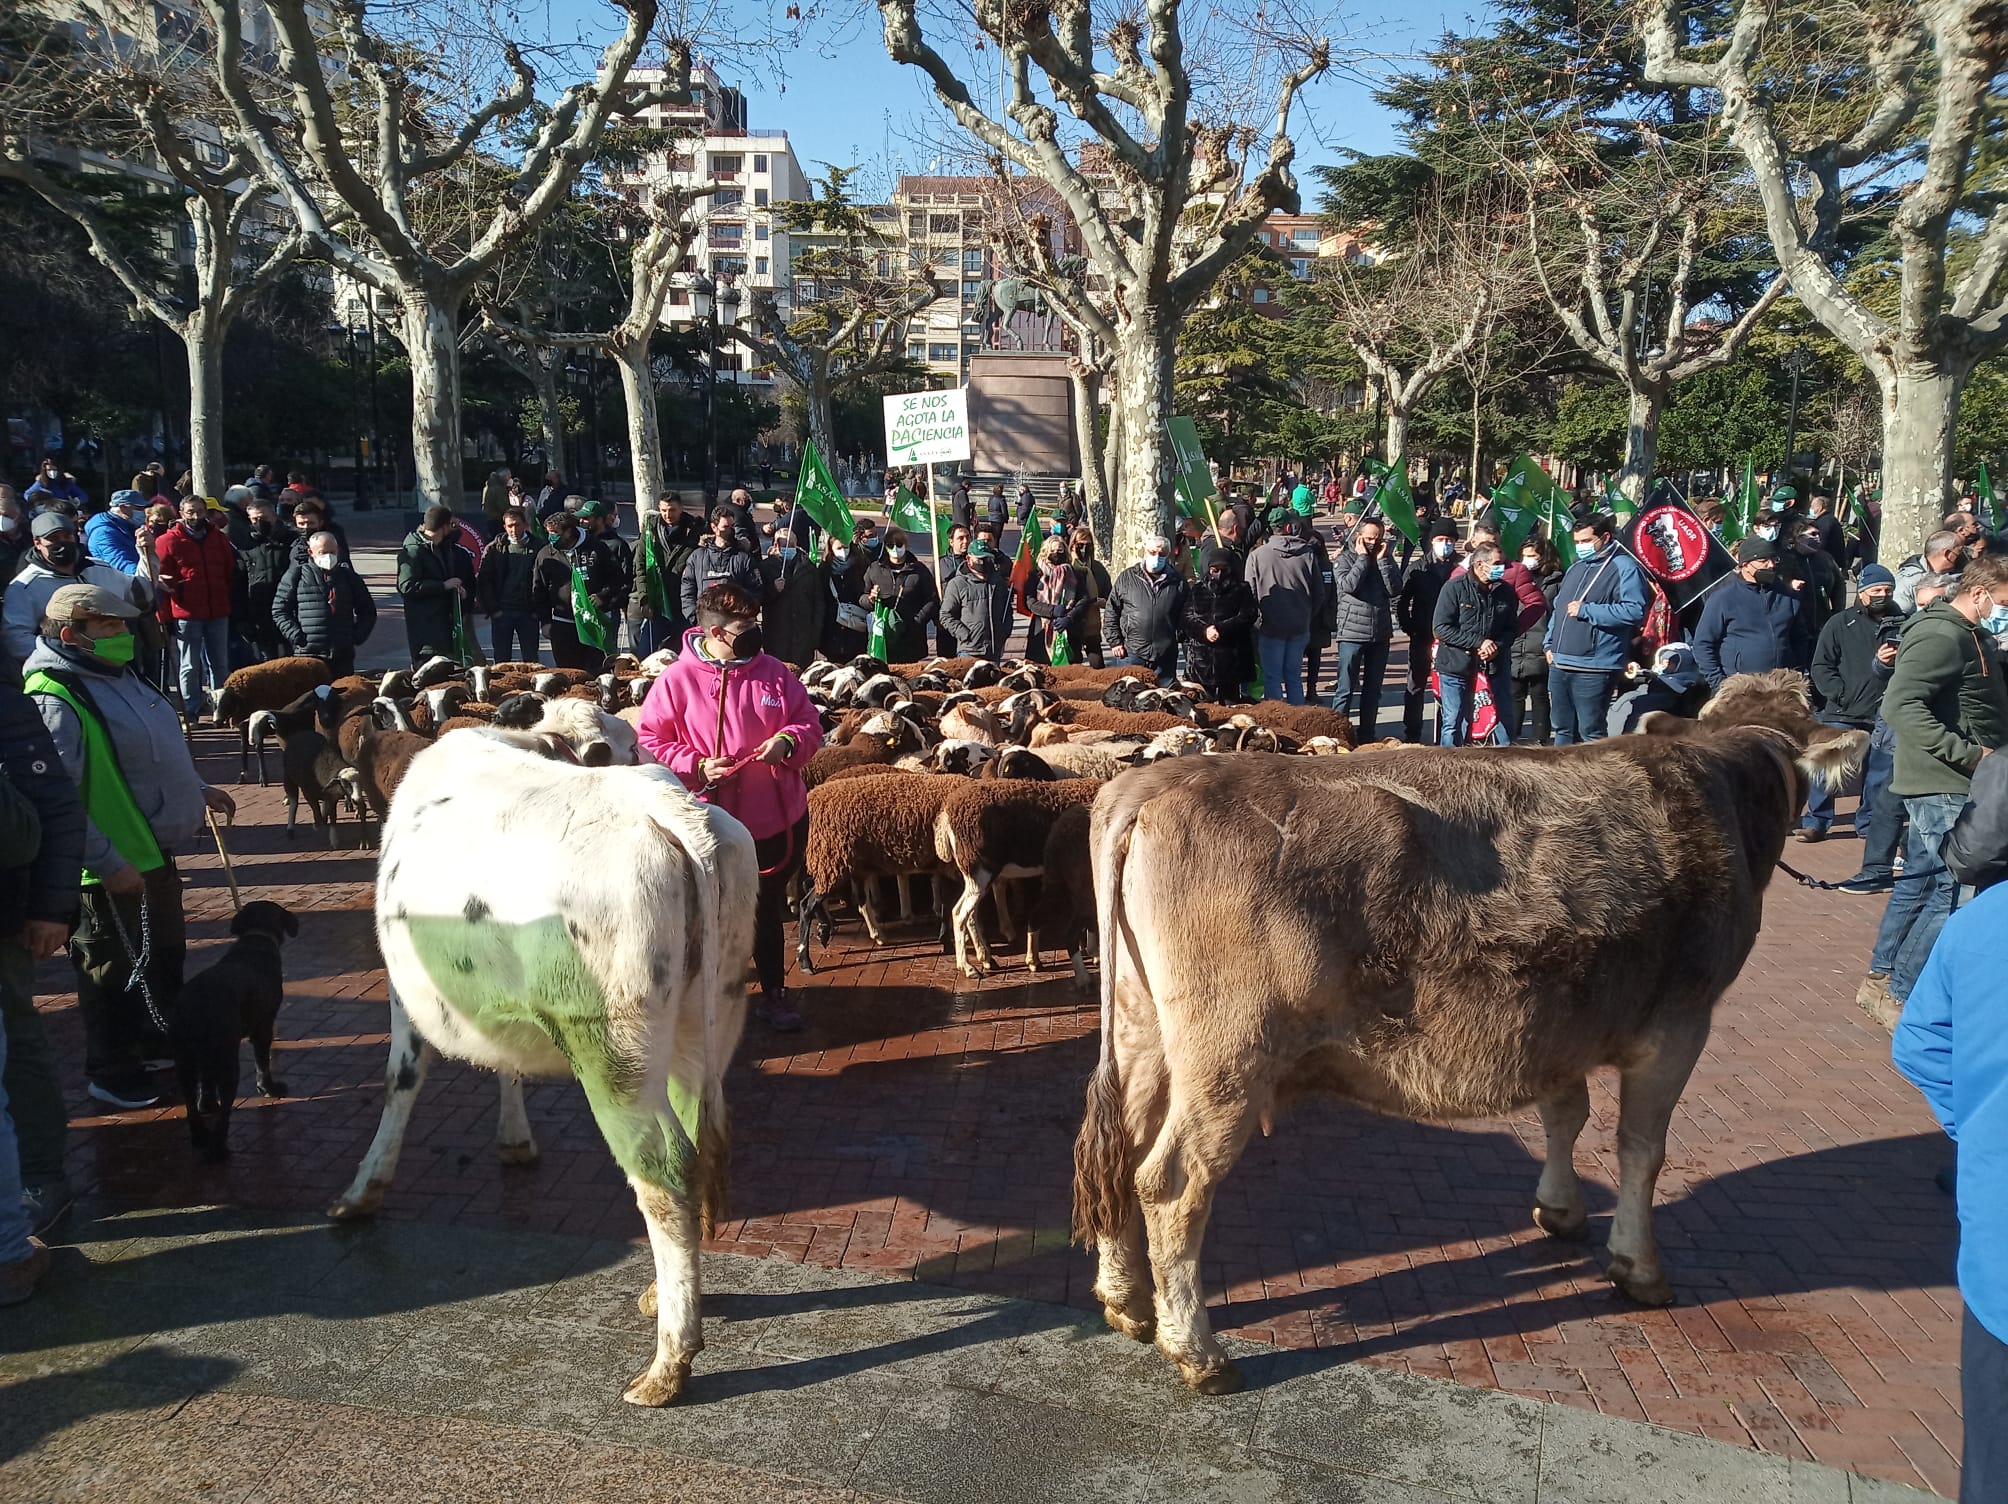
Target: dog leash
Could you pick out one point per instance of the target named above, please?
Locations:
(140, 959)
(1806, 880)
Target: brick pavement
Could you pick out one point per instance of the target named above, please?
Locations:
(922, 1126)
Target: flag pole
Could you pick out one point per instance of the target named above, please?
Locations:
(933, 530)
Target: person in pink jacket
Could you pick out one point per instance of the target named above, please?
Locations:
(738, 728)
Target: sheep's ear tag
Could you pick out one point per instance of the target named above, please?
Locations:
(499, 976)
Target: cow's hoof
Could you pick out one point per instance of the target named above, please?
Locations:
(646, 1302)
(1137, 1329)
(354, 1208)
(1218, 1378)
(524, 1153)
(655, 1388)
(1647, 1292)
(1570, 1227)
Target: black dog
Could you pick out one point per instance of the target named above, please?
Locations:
(220, 1007)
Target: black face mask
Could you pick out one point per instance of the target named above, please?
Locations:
(1877, 608)
(62, 555)
(261, 529)
(748, 642)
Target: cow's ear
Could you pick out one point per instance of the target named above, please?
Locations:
(1666, 723)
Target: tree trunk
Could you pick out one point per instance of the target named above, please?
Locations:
(1474, 433)
(1641, 442)
(1092, 458)
(431, 339)
(1920, 412)
(550, 412)
(818, 409)
(644, 426)
(205, 404)
(1144, 402)
(1397, 434)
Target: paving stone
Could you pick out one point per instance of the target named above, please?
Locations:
(1588, 1458)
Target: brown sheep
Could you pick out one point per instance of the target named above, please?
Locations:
(1065, 913)
(1145, 723)
(1069, 675)
(265, 686)
(867, 827)
(864, 747)
(1303, 721)
(989, 830)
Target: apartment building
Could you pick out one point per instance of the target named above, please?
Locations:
(1300, 242)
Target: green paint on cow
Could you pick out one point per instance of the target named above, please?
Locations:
(495, 975)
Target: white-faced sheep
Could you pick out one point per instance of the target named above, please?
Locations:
(989, 830)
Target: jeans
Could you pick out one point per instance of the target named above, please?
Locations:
(1578, 700)
(1820, 802)
(31, 1078)
(1923, 899)
(1456, 698)
(1983, 1394)
(205, 654)
(1534, 717)
(1282, 660)
(1362, 668)
(1415, 690)
(509, 630)
(1883, 831)
(14, 1223)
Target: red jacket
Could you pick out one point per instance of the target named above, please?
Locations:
(195, 573)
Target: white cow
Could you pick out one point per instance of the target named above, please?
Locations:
(542, 917)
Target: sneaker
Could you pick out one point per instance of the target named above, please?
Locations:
(1811, 833)
(1867, 882)
(125, 1098)
(19, 1278)
(780, 1015)
(45, 1203)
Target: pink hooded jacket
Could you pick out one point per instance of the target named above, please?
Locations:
(680, 722)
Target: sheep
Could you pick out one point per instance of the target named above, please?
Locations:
(988, 830)
(954, 668)
(1065, 913)
(1179, 741)
(1101, 718)
(312, 765)
(595, 738)
(1090, 760)
(890, 736)
(1304, 721)
(381, 759)
(265, 686)
(437, 669)
(321, 707)
(863, 827)
(521, 711)
(1021, 763)
(1087, 674)
(437, 705)
(971, 722)
(961, 755)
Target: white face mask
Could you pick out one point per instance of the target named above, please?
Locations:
(326, 561)
(10, 524)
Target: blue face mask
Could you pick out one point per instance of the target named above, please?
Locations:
(1496, 572)
(1155, 563)
(787, 550)
(1995, 622)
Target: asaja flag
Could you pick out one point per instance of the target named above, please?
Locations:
(1561, 527)
(1397, 502)
(914, 515)
(1741, 512)
(656, 588)
(1520, 501)
(586, 618)
(1673, 547)
(1622, 506)
(1984, 488)
(816, 493)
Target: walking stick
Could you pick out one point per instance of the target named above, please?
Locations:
(229, 875)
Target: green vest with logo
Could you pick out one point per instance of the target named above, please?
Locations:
(107, 797)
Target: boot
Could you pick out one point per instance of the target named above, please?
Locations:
(779, 1014)
(1874, 998)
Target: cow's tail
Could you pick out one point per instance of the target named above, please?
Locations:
(714, 1124)
(1102, 1171)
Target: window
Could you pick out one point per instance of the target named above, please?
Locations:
(1259, 295)
(724, 236)
(759, 232)
(1305, 236)
(916, 353)
(759, 161)
(727, 198)
(916, 225)
(972, 261)
(759, 266)
(726, 165)
(679, 297)
(759, 197)
(1300, 268)
(944, 354)
(728, 266)
(971, 291)
(943, 224)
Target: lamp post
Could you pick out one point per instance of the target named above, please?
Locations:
(1795, 361)
(716, 305)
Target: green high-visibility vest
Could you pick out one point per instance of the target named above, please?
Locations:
(107, 797)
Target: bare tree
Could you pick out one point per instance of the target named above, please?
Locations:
(1900, 97)
(139, 101)
(1167, 188)
(367, 129)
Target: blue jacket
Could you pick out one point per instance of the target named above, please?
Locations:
(1611, 587)
(1966, 1086)
(1749, 629)
(111, 541)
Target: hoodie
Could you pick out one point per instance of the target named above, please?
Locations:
(1287, 578)
(749, 700)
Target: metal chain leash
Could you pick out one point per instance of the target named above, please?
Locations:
(140, 958)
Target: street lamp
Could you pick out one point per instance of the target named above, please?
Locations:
(715, 306)
(1795, 361)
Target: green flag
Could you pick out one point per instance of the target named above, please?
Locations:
(1397, 501)
(913, 514)
(1620, 504)
(1524, 498)
(586, 618)
(1562, 528)
(1985, 489)
(655, 588)
(1741, 512)
(1194, 477)
(816, 493)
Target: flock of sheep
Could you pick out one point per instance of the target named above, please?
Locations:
(961, 771)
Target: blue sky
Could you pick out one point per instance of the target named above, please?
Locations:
(844, 101)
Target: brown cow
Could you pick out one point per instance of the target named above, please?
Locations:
(1435, 934)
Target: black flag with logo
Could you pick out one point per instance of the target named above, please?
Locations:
(1674, 547)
